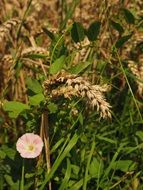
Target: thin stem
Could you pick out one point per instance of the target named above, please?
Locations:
(23, 18)
(45, 135)
(129, 86)
(88, 164)
(22, 177)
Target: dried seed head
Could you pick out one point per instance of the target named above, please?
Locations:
(34, 50)
(72, 85)
(6, 27)
(36, 5)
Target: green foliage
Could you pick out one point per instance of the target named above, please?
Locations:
(117, 26)
(9, 152)
(52, 107)
(122, 40)
(50, 34)
(65, 150)
(124, 165)
(36, 99)
(129, 16)
(57, 48)
(13, 186)
(93, 31)
(34, 85)
(15, 108)
(64, 184)
(96, 168)
(140, 135)
(57, 65)
(77, 32)
(80, 67)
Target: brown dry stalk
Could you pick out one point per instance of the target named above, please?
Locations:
(29, 63)
(44, 132)
(71, 85)
(7, 27)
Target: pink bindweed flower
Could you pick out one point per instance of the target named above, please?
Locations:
(29, 145)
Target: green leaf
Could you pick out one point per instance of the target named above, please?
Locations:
(85, 181)
(18, 67)
(57, 145)
(140, 135)
(52, 107)
(50, 34)
(57, 65)
(80, 118)
(36, 99)
(36, 56)
(129, 150)
(93, 31)
(79, 184)
(28, 185)
(117, 26)
(108, 169)
(10, 182)
(29, 175)
(64, 183)
(15, 108)
(77, 32)
(75, 169)
(57, 48)
(106, 139)
(10, 152)
(96, 168)
(80, 67)
(129, 16)
(84, 138)
(124, 165)
(2, 154)
(34, 85)
(122, 41)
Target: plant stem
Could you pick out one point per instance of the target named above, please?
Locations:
(22, 177)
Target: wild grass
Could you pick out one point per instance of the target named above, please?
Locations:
(71, 71)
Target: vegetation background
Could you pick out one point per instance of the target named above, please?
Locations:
(72, 72)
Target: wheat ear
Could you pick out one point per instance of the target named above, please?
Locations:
(72, 85)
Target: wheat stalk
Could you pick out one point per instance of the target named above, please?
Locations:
(6, 71)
